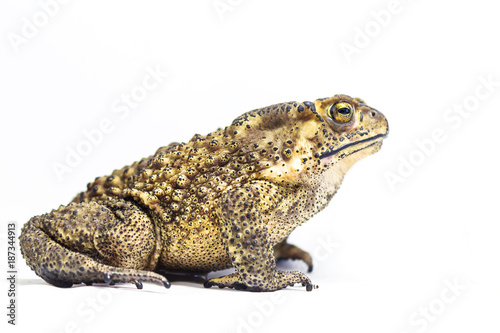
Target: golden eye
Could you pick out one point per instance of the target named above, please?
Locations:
(341, 112)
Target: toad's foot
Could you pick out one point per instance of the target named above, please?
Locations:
(281, 280)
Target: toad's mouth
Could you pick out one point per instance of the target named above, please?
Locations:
(331, 152)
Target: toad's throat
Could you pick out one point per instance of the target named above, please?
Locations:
(331, 152)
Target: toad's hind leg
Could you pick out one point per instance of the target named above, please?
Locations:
(284, 250)
(112, 241)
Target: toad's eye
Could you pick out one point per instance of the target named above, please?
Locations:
(341, 112)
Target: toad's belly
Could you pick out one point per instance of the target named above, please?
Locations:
(199, 252)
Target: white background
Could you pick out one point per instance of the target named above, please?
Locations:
(384, 254)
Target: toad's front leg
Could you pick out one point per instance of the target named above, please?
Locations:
(248, 240)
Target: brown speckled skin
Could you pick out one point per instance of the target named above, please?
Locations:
(227, 199)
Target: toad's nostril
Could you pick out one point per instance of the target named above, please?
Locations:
(373, 113)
